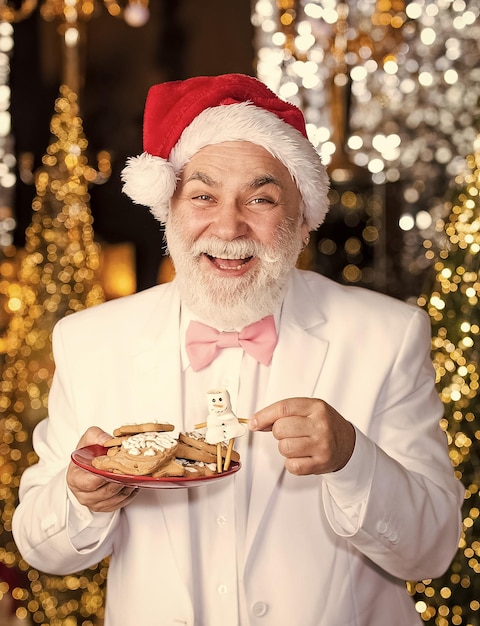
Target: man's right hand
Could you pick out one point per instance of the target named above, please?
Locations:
(94, 491)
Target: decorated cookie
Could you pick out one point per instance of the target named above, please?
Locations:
(140, 455)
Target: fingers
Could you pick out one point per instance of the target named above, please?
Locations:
(267, 417)
(96, 493)
(109, 497)
(92, 490)
(92, 436)
(312, 436)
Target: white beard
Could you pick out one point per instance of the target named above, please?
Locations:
(230, 303)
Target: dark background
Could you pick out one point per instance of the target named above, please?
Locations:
(183, 38)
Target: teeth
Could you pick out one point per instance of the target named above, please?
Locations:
(228, 267)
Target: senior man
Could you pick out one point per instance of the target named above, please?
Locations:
(346, 489)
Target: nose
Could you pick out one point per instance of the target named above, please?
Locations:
(229, 222)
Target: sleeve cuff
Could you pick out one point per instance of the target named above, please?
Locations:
(345, 493)
(84, 525)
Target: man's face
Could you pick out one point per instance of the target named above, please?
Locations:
(234, 231)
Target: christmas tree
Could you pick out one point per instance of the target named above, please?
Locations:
(454, 599)
(56, 278)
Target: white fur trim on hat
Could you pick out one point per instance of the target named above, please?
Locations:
(151, 180)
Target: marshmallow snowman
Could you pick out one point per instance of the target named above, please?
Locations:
(222, 424)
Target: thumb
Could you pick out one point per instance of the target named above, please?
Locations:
(92, 436)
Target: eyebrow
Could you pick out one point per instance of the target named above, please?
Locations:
(266, 179)
(256, 183)
(202, 177)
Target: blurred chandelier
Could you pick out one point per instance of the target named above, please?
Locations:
(318, 53)
(71, 16)
(390, 86)
(134, 12)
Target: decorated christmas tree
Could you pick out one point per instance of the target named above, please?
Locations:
(56, 278)
(454, 599)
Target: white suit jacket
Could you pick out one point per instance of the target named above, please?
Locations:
(364, 353)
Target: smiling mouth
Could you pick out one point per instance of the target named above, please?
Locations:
(225, 263)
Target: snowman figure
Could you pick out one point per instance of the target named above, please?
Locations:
(222, 424)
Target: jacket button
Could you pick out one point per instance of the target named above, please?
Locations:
(259, 609)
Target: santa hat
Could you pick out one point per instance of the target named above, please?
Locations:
(181, 117)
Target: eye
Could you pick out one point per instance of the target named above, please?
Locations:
(262, 201)
(220, 399)
(260, 204)
(202, 196)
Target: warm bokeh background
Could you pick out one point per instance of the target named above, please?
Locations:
(391, 94)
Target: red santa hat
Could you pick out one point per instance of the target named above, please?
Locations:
(182, 117)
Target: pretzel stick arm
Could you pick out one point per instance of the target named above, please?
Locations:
(228, 455)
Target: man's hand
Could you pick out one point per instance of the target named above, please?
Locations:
(312, 436)
(91, 490)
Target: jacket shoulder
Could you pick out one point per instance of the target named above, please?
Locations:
(353, 303)
(125, 315)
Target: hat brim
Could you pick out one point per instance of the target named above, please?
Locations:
(151, 180)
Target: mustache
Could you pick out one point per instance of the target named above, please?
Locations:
(238, 249)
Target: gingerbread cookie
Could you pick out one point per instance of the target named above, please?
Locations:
(184, 451)
(146, 427)
(198, 468)
(114, 441)
(173, 469)
(197, 441)
(140, 455)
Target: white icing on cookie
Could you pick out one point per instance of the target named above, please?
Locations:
(148, 444)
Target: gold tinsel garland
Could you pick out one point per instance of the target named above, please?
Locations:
(56, 278)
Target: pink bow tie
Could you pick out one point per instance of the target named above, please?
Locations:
(203, 343)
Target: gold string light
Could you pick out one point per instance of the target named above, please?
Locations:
(57, 277)
(7, 144)
(453, 306)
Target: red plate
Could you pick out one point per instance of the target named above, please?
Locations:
(84, 456)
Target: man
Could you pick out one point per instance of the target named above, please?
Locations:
(345, 489)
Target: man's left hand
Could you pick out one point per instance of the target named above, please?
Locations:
(312, 436)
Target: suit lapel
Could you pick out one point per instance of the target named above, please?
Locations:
(291, 375)
(156, 363)
(158, 396)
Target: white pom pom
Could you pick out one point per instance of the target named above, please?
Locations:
(149, 180)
